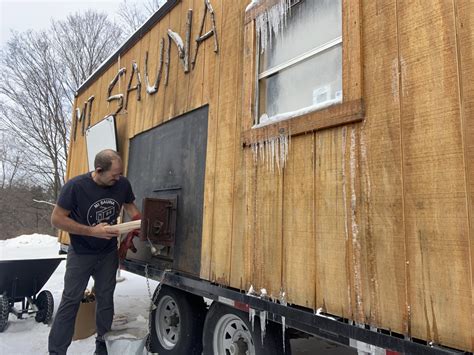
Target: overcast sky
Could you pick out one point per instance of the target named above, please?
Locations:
(21, 15)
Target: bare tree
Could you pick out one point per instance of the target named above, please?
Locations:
(20, 213)
(41, 71)
(34, 107)
(11, 163)
(83, 42)
(133, 15)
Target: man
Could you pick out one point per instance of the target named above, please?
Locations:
(87, 205)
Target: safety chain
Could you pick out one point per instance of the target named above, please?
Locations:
(152, 299)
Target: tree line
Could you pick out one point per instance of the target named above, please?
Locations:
(41, 71)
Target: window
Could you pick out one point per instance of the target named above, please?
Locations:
(299, 70)
(314, 62)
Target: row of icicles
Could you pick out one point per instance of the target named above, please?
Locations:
(273, 152)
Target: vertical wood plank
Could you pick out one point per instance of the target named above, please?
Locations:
(268, 254)
(196, 75)
(246, 169)
(129, 113)
(352, 55)
(171, 89)
(381, 169)
(332, 285)
(434, 175)
(159, 33)
(211, 97)
(244, 166)
(229, 122)
(180, 102)
(464, 17)
(298, 223)
(143, 118)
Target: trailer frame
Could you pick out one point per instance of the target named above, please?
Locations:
(328, 327)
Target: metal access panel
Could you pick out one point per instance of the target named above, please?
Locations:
(159, 225)
(168, 162)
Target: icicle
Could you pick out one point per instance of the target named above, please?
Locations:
(344, 133)
(272, 152)
(283, 319)
(270, 22)
(263, 324)
(355, 228)
(252, 317)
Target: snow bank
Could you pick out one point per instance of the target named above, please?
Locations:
(33, 246)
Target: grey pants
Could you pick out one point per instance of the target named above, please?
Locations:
(79, 268)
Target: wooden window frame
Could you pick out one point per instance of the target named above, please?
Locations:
(350, 110)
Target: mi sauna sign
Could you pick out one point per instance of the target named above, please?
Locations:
(135, 81)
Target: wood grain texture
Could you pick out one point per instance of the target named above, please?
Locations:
(229, 97)
(196, 76)
(332, 286)
(175, 19)
(464, 19)
(244, 215)
(268, 242)
(144, 114)
(298, 223)
(381, 166)
(242, 165)
(159, 97)
(352, 81)
(182, 84)
(434, 175)
(211, 89)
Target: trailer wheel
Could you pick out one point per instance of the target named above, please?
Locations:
(45, 304)
(176, 322)
(4, 311)
(228, 331)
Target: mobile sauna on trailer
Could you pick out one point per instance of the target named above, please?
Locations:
(308, 165)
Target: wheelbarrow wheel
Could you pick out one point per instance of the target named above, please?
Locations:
(4, 311)
(45, 304)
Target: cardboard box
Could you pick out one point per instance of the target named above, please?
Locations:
(85, 321)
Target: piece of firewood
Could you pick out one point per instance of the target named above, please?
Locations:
(125, 227)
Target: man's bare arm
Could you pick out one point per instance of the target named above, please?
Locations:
(61, 220)
(131, 209)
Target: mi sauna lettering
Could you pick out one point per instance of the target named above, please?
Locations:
(135, 80)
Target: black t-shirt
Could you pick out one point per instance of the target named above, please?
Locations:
(91, 204)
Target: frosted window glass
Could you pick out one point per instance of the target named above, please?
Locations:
(309, 83)
(310, 24)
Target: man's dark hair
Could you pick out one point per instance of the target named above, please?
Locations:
(103, 159)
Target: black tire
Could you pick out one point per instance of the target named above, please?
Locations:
(45, 303)
(4, 311)
(176, 323)
(230, 323)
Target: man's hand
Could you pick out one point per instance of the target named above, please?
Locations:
(104, 231)
(61, 220)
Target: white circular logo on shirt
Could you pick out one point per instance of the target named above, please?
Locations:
(104, 210)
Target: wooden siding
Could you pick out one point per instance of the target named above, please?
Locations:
(373, 220)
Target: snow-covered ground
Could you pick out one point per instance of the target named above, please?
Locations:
(26, 336)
